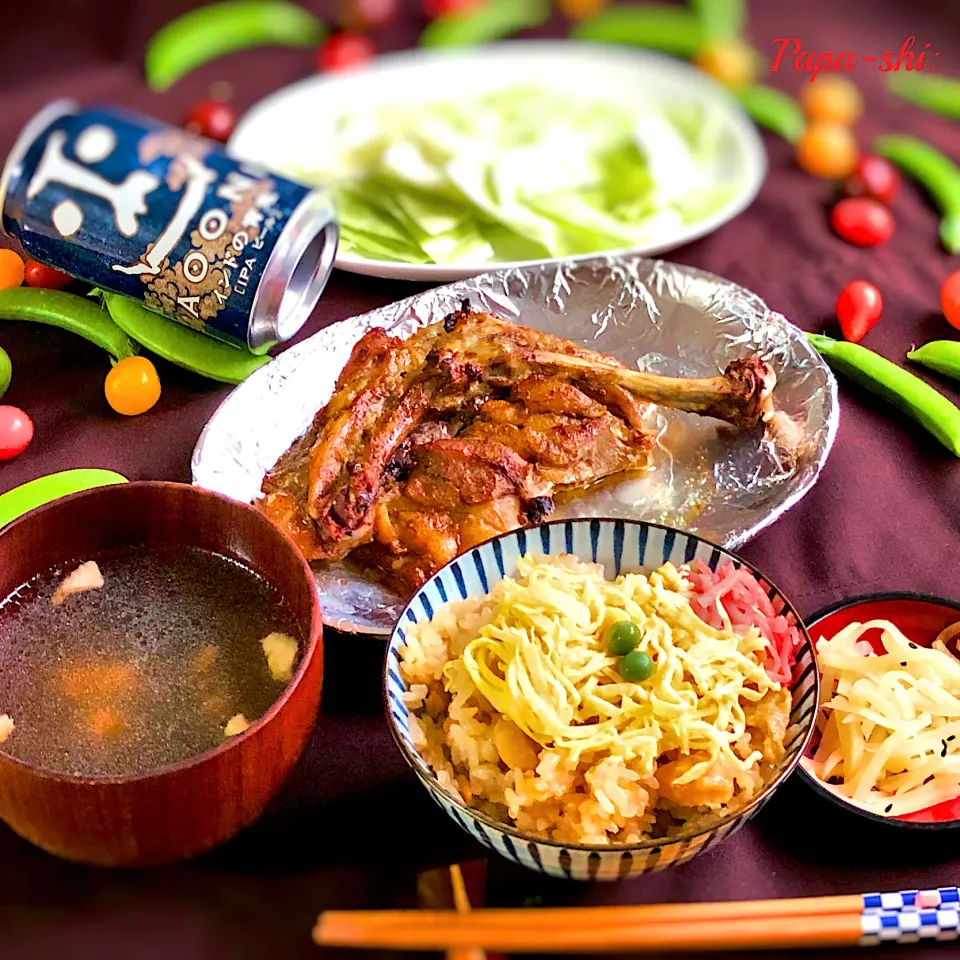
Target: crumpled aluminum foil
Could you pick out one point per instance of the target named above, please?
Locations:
(708, 478)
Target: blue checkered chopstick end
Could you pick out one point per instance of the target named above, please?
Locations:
(907, 916)
(909, 926)
(912, 899)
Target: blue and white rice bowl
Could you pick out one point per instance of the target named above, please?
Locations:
(622, 546)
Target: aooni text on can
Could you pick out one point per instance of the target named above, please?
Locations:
(131, 205)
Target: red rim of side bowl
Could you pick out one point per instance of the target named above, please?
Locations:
(313, 635)
(948, 811)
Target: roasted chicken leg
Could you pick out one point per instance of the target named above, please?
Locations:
(467, 429)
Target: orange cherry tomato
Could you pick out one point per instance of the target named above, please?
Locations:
(40, 275)
(732, 63)
(828, 150)
(950, 299)
(831, 98)
(581, 9)
(132, 387)
(11, 269)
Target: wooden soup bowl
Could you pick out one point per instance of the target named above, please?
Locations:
(183, 809)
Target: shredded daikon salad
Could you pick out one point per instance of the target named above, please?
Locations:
(542, 663)
(889, 723)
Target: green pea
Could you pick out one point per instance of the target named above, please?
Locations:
(936, 93)
(212, 31)
(80, 315)
(935, 172)
(180, 345)
(20, 500)
(897, 386)
(720, 19)
(6, 371)
(776, 111)
(940, 355)
(636, 667)
(491, 20)
(622, 637)
(656, 26)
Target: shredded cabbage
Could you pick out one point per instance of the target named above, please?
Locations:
(542, 663)
(890, 723)
(523, 173)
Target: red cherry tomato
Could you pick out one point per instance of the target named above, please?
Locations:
(213, 119)
(950, 299)
(874, 177)
(40, 275)
(359, 15)
(16, 432)
(858, 308)
(344, 51)
(440, 8)
(862, 221)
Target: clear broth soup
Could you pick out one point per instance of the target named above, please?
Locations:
(143, 672)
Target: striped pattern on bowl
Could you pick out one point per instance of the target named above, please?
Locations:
(621, 546)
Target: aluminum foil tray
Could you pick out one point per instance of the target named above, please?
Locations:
(723, 485)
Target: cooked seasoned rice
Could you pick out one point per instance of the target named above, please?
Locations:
(614, 794)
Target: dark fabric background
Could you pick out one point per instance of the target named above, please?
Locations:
(352, 827)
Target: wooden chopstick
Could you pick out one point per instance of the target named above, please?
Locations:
(749, 924)
(434, 933)
(461, 903)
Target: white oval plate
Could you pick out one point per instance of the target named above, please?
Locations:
(293, 125)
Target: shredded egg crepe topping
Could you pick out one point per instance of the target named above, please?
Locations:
(542, 662)
(890, 723)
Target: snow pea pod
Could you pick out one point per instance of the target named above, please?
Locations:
(933, 92)
(68, 311)
(180, 345)
(491, 20)
(656, 26)
(20, 500)
(6, 371)
(212, 31)
(940, 355)
(776, 111)
(720, 19)
(936, 173)
(897, 386)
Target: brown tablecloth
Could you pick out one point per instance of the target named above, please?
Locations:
(352, 826)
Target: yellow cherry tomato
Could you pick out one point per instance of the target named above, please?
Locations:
(732, 62)
(831, 98)
(581, 9)
(828, 150)
(11, 269)
(132, 386)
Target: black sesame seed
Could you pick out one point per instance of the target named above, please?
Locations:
(943, 752)
(903, 663)
(952, 736)
(888, 808)
(913, 646)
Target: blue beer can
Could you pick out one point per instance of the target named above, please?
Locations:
(140, 208)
